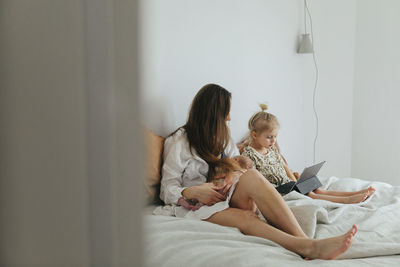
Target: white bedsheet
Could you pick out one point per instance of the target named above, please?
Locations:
(173, 241)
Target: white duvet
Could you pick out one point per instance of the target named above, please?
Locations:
(174, 241)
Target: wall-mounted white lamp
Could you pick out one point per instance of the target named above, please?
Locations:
(305, 46)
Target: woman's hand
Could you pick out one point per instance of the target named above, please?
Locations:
(228, 182)
(206, 193)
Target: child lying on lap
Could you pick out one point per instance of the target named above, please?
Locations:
(225, 173)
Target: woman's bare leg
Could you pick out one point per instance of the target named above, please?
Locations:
(249, 224)
(340, 199)
(370, 190)
(254, 188)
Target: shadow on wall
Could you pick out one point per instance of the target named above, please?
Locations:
(158, 116)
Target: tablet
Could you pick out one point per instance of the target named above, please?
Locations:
(307, 182)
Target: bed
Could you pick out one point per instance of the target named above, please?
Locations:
(172, 241)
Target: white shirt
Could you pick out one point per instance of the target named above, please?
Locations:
(181, 169)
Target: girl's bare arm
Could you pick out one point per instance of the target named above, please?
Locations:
(290, 174)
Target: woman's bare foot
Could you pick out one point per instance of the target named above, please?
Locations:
(330, 248)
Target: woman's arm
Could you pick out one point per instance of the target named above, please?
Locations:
(175, 162)
(176, 158)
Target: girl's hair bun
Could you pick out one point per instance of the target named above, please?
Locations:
(263, 107)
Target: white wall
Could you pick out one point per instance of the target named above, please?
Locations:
(334, 28)
(249, 47)
(376, 129)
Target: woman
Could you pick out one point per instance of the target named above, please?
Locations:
(191, 154)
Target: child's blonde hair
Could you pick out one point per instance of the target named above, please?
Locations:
(263, 121)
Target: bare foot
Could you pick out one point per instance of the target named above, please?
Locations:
(330, 248)
(357, 198)
(369, 190)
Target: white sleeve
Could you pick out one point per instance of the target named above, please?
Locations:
(175, 162)
(231, 150)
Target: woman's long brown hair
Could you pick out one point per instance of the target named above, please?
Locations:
(206, 127)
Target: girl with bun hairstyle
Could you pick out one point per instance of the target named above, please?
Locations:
(192, 156)
(266, 157)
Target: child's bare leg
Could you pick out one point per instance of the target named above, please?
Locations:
(254, 188)
(249, 224)
(340, 199)
(370, 190)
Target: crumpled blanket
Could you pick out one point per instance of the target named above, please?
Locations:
(378, 221)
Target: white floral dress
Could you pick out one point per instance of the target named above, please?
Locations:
(270, 165)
